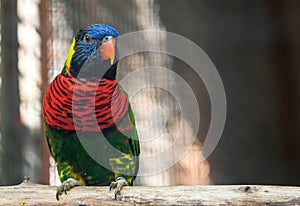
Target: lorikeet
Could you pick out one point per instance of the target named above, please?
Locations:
(88, 122)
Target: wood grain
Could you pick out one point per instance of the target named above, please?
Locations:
(28, 193)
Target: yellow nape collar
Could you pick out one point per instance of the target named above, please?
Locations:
(70, 55)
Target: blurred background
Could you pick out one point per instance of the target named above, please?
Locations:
(254, 45)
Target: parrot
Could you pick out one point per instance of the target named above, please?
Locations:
(88, 121)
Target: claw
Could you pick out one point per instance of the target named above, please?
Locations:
(118, 186)
(57, 195)
(66, 185)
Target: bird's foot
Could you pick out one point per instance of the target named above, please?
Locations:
(66, 186)
(118, 185)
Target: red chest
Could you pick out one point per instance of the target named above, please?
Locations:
(78, 104)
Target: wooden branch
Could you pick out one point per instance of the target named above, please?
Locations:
(29, 193)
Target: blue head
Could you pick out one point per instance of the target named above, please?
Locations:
(89, 40)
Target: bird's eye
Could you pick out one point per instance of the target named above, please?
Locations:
(106, 38)
(87, 38)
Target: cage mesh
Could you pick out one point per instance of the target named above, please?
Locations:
(128, 16)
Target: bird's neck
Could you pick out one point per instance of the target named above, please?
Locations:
(110, 74)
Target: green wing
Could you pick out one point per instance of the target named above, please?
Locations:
(125, 139)
(132, 132)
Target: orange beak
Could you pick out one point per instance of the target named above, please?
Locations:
(107, 50)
